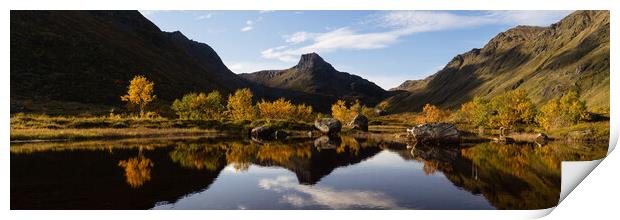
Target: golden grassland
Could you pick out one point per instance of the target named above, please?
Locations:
(41, 127)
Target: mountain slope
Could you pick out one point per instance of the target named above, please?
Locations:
(89, 57)
(313, 75)
(544, 61)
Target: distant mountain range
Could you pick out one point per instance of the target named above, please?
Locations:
(544, 61)
(89, 57)
(315, 76)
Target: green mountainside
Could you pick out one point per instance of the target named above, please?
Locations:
(572, 54)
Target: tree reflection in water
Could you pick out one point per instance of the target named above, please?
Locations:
(518, 176)
(137, 170)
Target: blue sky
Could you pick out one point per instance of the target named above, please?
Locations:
(386, 47)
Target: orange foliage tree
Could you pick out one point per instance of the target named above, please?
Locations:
(140, 93)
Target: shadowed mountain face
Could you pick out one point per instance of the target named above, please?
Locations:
(545, 61)
(89, 57)
(313, 75)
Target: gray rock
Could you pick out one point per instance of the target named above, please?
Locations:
(327, 142)
(360, 122)
(329, 126)
(434, 132)
(380, 112)
(267, 133)
(262, 132)
(542, 137)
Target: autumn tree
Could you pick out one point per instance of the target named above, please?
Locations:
(140, 93)
(303, 112)
(433, 113)
(476, 112)
(284, 109)
(341, 112)
(278, 109)
(511, 108)
(239, 105)
(200, 106)
(345, 113)
(564, 111)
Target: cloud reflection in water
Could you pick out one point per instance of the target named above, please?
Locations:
(326, 196)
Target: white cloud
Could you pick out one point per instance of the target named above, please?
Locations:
(398, 24)
(249, 24)
(202, 17)
(342, 38)
(247, 28)
(326, 196)
(265, 11)
(299, 37)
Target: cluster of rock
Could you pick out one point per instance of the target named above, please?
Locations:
(329, 127)
(267, 133)
(434, 133)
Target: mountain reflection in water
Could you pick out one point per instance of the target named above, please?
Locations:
(344, 173)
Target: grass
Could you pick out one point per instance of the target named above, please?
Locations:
(590, 131)
(43, 127)
(33, 134)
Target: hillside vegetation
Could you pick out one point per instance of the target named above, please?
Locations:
(546, 62)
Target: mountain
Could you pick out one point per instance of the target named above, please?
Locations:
(313, 75)
(89, 57)
(544, 61)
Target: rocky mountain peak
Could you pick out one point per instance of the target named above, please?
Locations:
(310, 61)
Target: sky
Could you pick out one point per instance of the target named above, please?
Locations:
(385, 47)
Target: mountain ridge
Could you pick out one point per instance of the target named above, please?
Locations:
(313, 75)
(572, 54)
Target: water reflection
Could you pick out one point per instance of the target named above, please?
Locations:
(301, 196)
(341, 173)
(137, 170)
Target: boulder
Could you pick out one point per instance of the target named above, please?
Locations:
(380, 112)
(267, 133)
(327, 142)
(360, 122)
(434, 132)
(329, 126)
(279, 135)
(542, 138)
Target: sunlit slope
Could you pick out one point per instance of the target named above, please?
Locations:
(544, 61)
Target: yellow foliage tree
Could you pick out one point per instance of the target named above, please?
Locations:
(140, 93)
(565, 111)
(346, 114)
(278, 109)
(433, 114)
(512, 108)
(284, 109)
(303, 112)
(199, 106)
(341, 112)
(239, 105)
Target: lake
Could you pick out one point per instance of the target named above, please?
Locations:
(338, 173)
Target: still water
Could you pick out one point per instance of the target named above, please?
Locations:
(346, 173)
